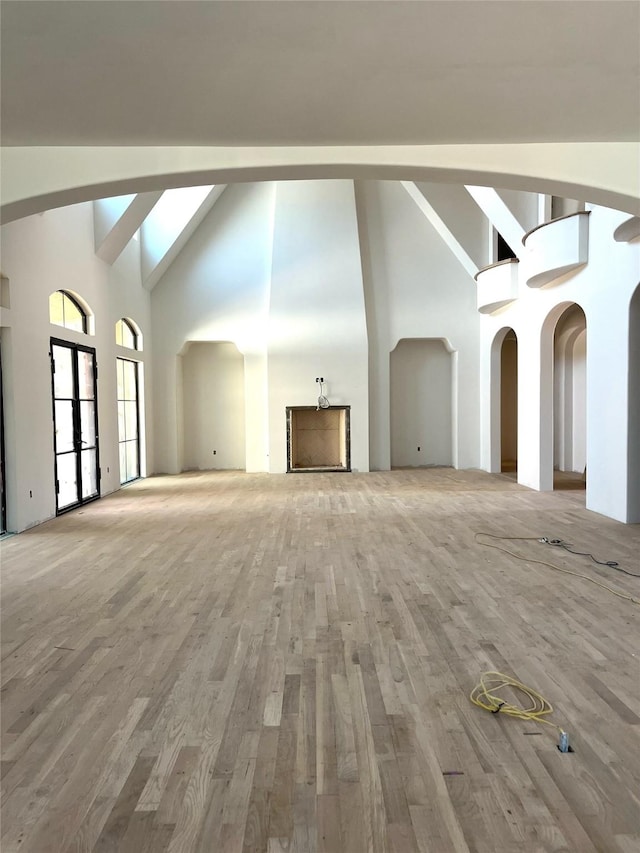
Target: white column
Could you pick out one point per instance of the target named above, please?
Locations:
(535, 410)
(607, 408)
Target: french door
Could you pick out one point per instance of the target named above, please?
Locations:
(75, 424)
(3, 493)
(128, 419)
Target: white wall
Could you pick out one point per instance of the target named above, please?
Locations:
(317, 321)
(213, 407)
(415, 288)
(289, 274)
(41, 254)
(421, 410)
(603, 288)
(217, 290)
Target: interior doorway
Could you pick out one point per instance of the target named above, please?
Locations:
(75, 424)
(509, 403)
(570, 400)
(633, 429)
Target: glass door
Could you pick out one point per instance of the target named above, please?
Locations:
(3, 493)
(75, 423)
(128, 419)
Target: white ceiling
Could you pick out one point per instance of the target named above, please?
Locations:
(161, 72)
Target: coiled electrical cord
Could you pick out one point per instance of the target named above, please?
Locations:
(484, 695)
(616, 592)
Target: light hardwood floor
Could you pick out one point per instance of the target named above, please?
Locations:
(230, 662)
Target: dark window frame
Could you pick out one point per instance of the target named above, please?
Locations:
(75, 400)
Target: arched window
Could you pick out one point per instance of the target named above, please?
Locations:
(128, 335)
(65, 310)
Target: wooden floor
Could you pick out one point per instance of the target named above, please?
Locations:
(229, 662)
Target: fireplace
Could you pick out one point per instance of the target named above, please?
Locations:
(318, 439)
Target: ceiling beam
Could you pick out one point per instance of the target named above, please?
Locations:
(116, 220)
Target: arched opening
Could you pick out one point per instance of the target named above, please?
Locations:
(503, 402)
(569, 399)
(633, 470)
(421, 375)
(509, 403)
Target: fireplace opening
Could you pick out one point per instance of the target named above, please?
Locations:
(318, 439)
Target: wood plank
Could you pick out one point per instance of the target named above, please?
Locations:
(239, 662)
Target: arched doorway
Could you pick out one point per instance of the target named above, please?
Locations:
(569, 399)
(633, 434)
(509, 403)
(503, 402)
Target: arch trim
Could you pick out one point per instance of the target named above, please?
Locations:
(40, 178)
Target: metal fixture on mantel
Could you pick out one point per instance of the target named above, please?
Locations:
(323, 403)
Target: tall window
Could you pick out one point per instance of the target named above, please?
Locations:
(128, 419)
(66, 311)
(127, 334)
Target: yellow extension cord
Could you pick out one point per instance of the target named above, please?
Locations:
(484, 695)
(624, 595)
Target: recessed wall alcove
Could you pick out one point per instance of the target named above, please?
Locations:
(318, 439)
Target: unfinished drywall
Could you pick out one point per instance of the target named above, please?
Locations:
(421, 404)
(213, 407)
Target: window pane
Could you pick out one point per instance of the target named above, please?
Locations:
(85, 376)
(63, 375)
(64, 426)
(56, 308)
(123, 462)
(120, 378)
(132, 460)
(88, 423)
(129, 380)
(128, 338)
(119, 333)
(73, 317)
(67, 482)
(131, 420)
(121, 430)
(89, 473)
